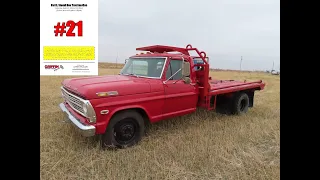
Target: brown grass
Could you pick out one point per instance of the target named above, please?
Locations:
(204, 145)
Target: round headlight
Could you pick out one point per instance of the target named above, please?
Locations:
(84, 107)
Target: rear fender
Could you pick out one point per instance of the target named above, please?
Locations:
(230, 96)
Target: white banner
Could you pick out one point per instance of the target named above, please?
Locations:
(69, 37)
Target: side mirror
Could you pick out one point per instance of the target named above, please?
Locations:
(185, 69)
(125, 61)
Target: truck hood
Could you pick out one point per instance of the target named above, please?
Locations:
(87, 87)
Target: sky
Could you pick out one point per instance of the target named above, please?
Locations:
(224, 29)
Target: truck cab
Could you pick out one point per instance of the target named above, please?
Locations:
(162, 83)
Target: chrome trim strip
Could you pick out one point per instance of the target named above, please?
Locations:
(85, 130)
(164, 65)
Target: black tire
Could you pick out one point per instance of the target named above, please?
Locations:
(124, 130)
(240, 104)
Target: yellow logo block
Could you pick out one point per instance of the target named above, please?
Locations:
(68, 53)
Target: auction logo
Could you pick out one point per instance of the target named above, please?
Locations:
(54, 67)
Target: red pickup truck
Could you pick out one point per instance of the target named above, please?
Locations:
(162, 83)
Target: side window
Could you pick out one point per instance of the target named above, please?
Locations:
(173, 67)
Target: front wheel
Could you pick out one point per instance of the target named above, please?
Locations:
(125, 129)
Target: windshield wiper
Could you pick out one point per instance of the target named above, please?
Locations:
(131, 74)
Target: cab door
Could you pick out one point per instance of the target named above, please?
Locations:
(180, 98)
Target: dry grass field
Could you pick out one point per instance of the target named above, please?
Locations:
(204, 145)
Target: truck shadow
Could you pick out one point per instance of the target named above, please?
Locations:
(161, 128)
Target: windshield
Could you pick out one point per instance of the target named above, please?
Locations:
(144, 67)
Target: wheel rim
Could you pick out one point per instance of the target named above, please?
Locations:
(125, 131)
(243, 104)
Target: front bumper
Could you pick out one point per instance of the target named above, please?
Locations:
(85, 130)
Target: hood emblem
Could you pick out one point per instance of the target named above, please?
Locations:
(109, 93)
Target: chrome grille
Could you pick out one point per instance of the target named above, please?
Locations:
(74, 101)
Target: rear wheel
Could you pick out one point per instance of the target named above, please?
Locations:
(240, 104)
(124, 130)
